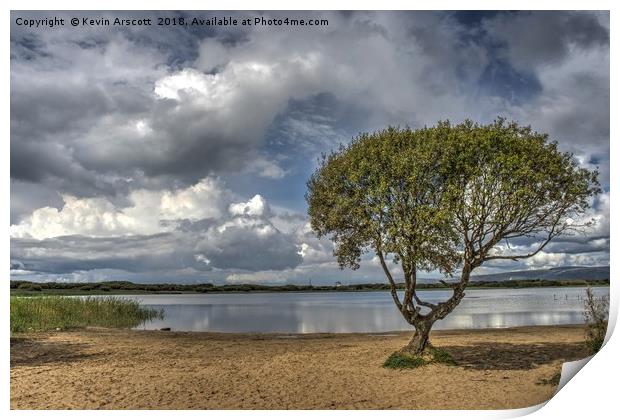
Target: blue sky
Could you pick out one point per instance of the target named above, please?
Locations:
(181, 154)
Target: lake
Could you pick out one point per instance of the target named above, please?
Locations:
(344, 312)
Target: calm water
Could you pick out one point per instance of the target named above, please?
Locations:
(361, 311)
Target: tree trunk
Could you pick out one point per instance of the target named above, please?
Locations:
(420, 339)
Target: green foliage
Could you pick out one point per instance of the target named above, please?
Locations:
(52, 312)
(554, 380)
(405, 360)
(19, 287)
(595, 315)
(400, 360)
(429, 197)
(439, 355)
(29, 286)
(386, 189)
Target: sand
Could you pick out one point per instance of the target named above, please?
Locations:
(122, 369)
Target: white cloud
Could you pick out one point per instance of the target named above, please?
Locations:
(93, 216)
(188, 82)
(99, 217)
(261, 277)
(546, 260)
(256, 206)
(206, 199)
(198, 227)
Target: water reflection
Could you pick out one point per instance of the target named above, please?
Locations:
(361, 312)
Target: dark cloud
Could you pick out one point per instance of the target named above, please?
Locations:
(545, 37)
(66, 254)
(240, 248)
(26, 196)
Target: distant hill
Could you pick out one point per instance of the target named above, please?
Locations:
(559, 273)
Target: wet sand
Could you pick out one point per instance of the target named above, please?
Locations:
(122, 369)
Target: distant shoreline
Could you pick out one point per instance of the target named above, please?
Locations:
(25, 288)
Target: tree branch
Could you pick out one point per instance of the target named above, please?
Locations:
(386, 270)
(421, 302)
(543, 244)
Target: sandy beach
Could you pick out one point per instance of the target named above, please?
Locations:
(123, 369)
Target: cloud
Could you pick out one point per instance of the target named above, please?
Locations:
(148, 209)
(137, 253)
(249, 245)
(265, 168)
(259, 277)
(256, 206)
(538, 39)
(567, 54)
(197, 227)
(546, 260)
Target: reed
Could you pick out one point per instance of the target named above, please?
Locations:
(61, 312)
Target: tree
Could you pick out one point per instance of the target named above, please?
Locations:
(446, 198)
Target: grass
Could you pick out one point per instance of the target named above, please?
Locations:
(401, 360)
(441, 356)
(554, 380)
(57, 312)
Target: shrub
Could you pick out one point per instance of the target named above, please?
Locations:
(554, 380)
(595, 314)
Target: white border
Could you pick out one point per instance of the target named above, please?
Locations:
(591, 394)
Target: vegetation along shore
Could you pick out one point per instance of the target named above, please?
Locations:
(43, 313)
(126, 287)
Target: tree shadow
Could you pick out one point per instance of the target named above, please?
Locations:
(509, 356)
(37, 352)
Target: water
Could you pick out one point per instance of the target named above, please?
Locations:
(361, 311)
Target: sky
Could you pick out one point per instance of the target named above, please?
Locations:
(181, 154)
